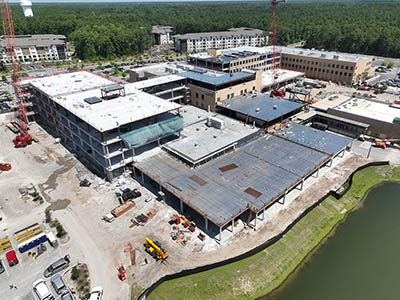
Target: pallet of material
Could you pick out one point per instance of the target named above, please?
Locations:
(5, 244)
(123, 208)
(142, 219)
(28, 232)
(12, 127)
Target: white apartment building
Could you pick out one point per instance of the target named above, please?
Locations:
(162, 34)
(36, 48)
(234, 37)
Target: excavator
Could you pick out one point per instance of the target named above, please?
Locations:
(386, 142)
(155, 250)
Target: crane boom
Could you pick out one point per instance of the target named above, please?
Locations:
(274, 28)
(24, 138)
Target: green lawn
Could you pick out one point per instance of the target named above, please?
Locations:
(263, 272)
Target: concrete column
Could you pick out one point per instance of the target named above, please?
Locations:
(134, 171)
(341, 154)
(262, 216)
(206, 223)
(301, 184)
(283, 198)
(255, 221)
(181, 203)
(233, 224)
(316, 173)
(330, 162)
(142, 177)
(220, 234)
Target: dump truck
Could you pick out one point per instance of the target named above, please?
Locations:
(155, 250)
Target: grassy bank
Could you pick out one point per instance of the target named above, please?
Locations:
(263, 272)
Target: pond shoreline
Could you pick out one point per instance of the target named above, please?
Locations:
(324, 240)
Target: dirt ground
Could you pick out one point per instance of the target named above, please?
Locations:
(104, 245)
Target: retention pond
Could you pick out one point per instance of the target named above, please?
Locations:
(360, 261)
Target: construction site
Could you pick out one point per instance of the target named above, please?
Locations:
(171, 172)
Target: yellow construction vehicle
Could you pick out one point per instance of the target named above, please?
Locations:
(155, 250)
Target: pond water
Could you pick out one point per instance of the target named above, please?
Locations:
(360, 261)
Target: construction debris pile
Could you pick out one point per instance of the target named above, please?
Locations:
(182, 229)
(29, 193)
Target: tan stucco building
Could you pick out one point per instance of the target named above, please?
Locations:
(209, 88)
(329, 66)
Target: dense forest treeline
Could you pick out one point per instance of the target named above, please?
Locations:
(109, 30)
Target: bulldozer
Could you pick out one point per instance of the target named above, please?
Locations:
(155, 250)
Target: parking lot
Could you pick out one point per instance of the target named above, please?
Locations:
(29, 270)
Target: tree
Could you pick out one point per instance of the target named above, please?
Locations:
(47, 213)
(4, 78)
(391, 64)
(384, 64)
(60, 230)
(75, 272)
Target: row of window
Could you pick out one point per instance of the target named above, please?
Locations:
(304, 68)
(223, 39)
(242, 62)
(316, 63)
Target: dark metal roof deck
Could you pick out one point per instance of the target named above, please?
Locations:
(316, 139)
(217, 79)
(254, 176)
(260, 106)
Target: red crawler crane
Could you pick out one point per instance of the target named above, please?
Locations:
(24, 138)
(275, 88)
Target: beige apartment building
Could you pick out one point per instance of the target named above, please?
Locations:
(329, 66)
(209, 88)
(235, 59)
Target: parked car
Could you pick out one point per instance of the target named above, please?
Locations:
(1, 268)
(66, 296)
(364, 88)
(12, 258)
(58, 284)
(5, 167)
(41, 290)
(96, 293)
(57, 266)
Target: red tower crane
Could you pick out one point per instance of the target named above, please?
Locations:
(24, 138)
(275, 87)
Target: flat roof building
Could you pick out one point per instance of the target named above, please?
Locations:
(327, 65)
(383, 119)
(234, 59)
(233, 37)
(157, 70)
(167, 87)
(162, 34)
(37, 47)
(208, 88)
(100, 121)
(260, 109)
(238, 185)
(210, 138)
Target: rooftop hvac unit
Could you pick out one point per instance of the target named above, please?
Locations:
(323, 55)
(215, 122)
(336, 57)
